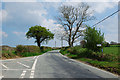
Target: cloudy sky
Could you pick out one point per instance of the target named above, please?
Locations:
(19, 15)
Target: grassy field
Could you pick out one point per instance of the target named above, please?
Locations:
(111, 50)
(109, 60)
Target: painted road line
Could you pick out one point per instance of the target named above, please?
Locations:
(23, 74)
(34, 57)
(16, 69)
(32, 74)
(4, 66)
(17, 59)
(23, 65)
(33, 68)
(29, 60)
(1, 77)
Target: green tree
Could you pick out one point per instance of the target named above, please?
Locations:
(92, 38)
(41, 34)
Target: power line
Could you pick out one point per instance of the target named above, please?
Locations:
(106, 18)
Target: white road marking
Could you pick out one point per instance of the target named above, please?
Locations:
(4, 66)
(23, 74)
(34, 57)
(23, 65)
(29, 60)
(24, 58)
(1, 77)
(33, 68)
(16, 69)
(32, 74)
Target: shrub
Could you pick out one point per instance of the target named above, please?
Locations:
(8, 54)
(86, 53)
(20, 49)
(31, 50)
(92, 38)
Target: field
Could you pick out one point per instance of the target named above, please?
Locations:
(111, 50)
(108, 61)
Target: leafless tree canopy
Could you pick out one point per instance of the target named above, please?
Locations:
(72, 18)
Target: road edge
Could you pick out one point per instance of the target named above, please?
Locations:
(96, 70)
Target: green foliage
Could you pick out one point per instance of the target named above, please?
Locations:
(108, 60)
(109, 53)
(92, 38)
(22, 49)
(111, 50)
(41, 34)
(8, 54)
(25, 51)
(109, 66)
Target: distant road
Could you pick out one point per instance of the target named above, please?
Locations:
(50, 65)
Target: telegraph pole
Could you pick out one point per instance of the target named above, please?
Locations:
(61, 41)
(55, 43)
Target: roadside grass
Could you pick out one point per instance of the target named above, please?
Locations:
(28, 54)
(8, 54)
(23, 51)
(109, 66)
(107, 61)
(111, 50)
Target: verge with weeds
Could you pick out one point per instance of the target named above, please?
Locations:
(107, 61)
(23, 51)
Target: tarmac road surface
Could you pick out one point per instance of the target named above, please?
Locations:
(50, 65)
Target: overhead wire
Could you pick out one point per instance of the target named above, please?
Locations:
(105, 18)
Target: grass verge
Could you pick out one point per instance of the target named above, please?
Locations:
(23, 51)
(109, 60)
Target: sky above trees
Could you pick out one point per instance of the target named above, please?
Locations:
(18, 17)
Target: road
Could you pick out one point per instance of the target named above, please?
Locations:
(50, 65)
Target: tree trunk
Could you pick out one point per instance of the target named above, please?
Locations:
(38, 43)
(70, 44)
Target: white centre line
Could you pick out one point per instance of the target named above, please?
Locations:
(1, 77)
(32, 74)
(33, 68)
(23, 74)
(34, 57)
(23, 65)
(4, 66)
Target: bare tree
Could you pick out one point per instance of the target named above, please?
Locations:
(60, 34)
(72, 19)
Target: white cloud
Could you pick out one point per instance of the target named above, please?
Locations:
(91, 0)
(49, 24)
(19, 0)
(50, 0)
(110, 28)
(18, 33)
(60, 0)
(111, 37)
(100, 7)
(2, 33)
(38, 12)
(3, 15)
